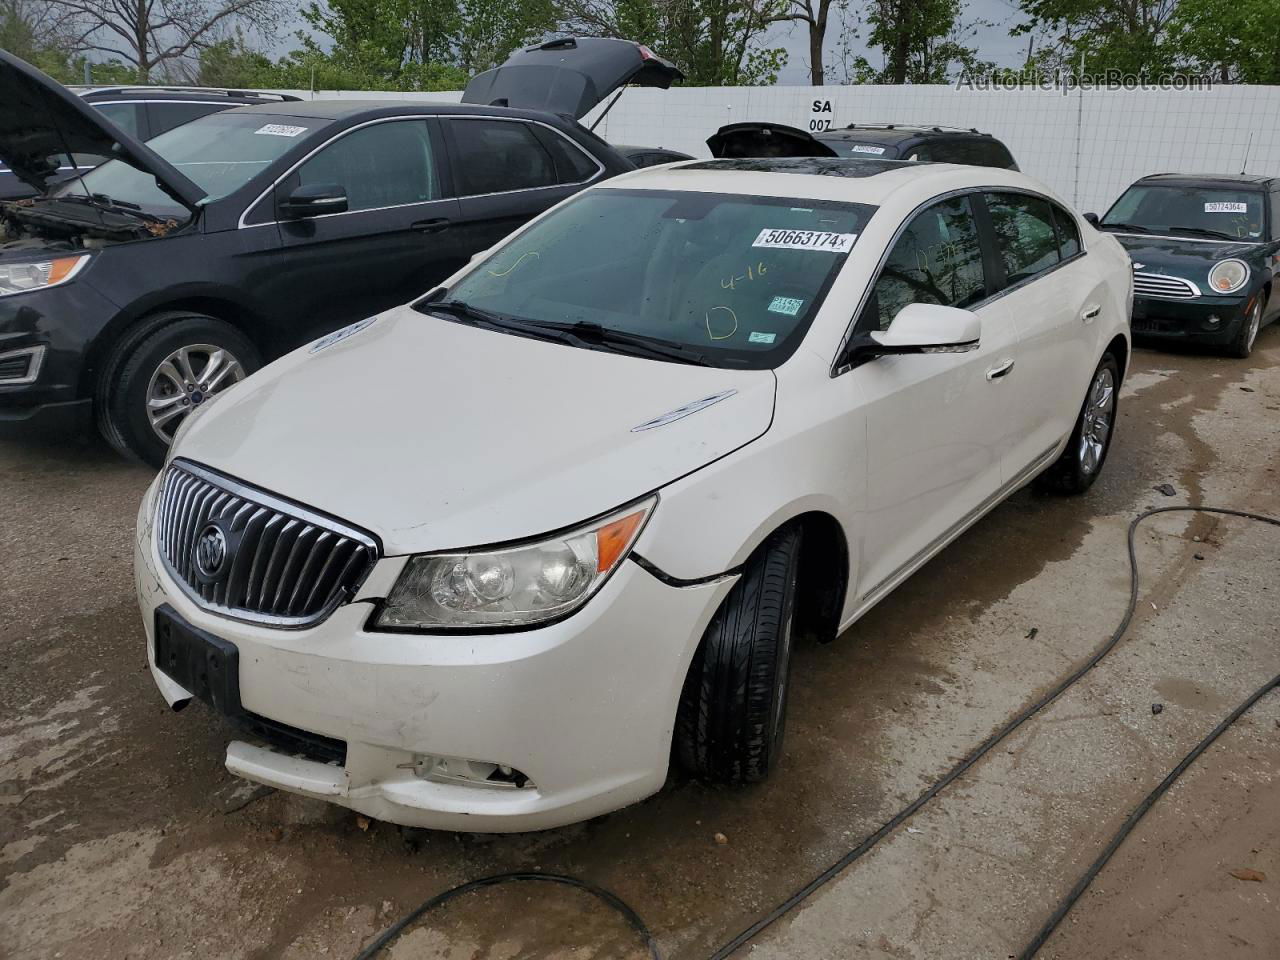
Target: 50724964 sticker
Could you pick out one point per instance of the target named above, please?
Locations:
(776, 239)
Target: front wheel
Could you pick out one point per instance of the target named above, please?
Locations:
(1242, 345)
(162, 370)
(1079, 466)
(733, 706)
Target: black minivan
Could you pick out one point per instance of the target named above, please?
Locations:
(134, 292)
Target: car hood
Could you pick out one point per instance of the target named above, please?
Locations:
(1189, 259)
(42, 121)
(434, 435)
(752, 139)
(569, 76)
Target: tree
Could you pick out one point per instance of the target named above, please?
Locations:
(1235, 40)
(814, 15)
(1125, 35)
(922, 41)
(714, 42)
(165, 34)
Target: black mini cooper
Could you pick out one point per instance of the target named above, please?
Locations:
(1206, 253)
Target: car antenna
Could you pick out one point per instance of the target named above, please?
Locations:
(1245, 163)
(605, 112)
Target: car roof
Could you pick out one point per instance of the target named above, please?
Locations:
(1204, 179)
(346, 109)
(822, 178)
(635, 148)
(897, 133)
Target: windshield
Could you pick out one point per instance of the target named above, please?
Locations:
(1224, 213)
(737, 279)
(219, 153)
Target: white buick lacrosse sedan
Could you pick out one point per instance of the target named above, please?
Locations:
(491, 560)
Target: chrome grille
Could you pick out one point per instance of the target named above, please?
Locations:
(1166, 288)
(284, 565)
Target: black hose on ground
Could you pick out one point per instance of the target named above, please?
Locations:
(835, 869)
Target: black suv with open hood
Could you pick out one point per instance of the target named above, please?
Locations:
(866, 141)
(1206, 254)
(136, 291)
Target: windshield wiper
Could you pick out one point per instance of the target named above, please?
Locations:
(102, 202)
(580, 334)
(597, 335)
(1125, 226)
(1206, 232)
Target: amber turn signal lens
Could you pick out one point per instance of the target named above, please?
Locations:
(613, 539)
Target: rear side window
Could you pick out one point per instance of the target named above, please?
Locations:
(166, 116)
(126, 116)
(936, 259)
(1025, 238)
(381, 165)
(495, 156)
(571, 164)
(1275, 214)
(1068, 232)
(996, 154)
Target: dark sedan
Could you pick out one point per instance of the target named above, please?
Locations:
(1206, 252)
(138, 290)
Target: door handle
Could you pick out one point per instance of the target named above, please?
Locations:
(434, 225)
(1091, 313)
(1000, 370)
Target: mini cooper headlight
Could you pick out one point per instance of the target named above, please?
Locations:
(33, 275)
(1228, 276)
(513, 586)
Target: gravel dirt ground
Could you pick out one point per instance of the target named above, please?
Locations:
(122, 836)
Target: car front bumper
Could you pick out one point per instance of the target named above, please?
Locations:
(584, 707)
(1212, 321)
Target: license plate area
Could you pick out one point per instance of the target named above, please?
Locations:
(206, 665)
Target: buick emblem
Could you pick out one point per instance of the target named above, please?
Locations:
(211, 553)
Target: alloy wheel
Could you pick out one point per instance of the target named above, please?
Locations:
(185, 379)
(1095, 426)
(1255, 323)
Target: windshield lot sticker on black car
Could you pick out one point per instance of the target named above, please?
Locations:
(788, 305)
(866, 148)
(805, 240)
(280, 130)
(328, 340)
(1226, 208)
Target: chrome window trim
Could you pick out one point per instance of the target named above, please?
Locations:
(553, 186)
(959, 192)
(36, 353)
(241, 225)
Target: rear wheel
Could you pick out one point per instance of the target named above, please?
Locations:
(733, 707)
(162, 370)
(1079, 466)
(1242, 345)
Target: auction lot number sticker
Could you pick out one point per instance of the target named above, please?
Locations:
(1226, 208)
(805, 240)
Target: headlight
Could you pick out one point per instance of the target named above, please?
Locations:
(33, 275)
(1228, 276)
(514, 586)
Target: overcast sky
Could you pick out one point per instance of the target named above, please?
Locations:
(994, 42)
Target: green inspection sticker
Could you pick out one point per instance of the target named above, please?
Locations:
(788, 305)
(758, 337)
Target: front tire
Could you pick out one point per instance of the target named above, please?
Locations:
(732, 710)
(1079, 466)
(1242, 345)
(162, 370)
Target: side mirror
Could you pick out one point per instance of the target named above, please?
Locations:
(1093, 218)
(919, 328)
(314, 199)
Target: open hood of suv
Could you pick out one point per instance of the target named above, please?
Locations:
(42, 121)
(755, 139)
(569, 76)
